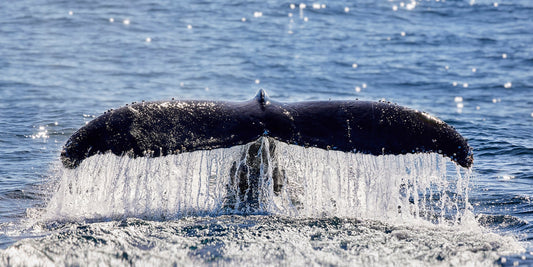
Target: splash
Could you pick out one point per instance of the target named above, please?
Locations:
(263, 177)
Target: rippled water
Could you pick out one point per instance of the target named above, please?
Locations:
(467, 62)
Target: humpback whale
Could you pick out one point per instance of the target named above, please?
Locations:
(163, 128)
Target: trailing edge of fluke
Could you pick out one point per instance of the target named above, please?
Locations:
(169, 127)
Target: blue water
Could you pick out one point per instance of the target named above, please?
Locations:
(64, 62)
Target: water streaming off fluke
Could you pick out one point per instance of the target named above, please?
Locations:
(262, 177)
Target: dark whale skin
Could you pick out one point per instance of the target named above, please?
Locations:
(169, 127)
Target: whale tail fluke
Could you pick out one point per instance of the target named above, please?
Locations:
(168, 127)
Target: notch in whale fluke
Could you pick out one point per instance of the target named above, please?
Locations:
(168, 127)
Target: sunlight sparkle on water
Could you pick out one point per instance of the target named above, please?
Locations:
(507, 177)
(346, 9)
(508, 85)
(459, 103)
(126, 22)
(42, 133)
(504, 55)
(411, 5)
(258, 14)
(111, 20)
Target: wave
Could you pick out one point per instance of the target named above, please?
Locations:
(263, 240)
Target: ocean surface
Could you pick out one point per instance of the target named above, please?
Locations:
(469, 63)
